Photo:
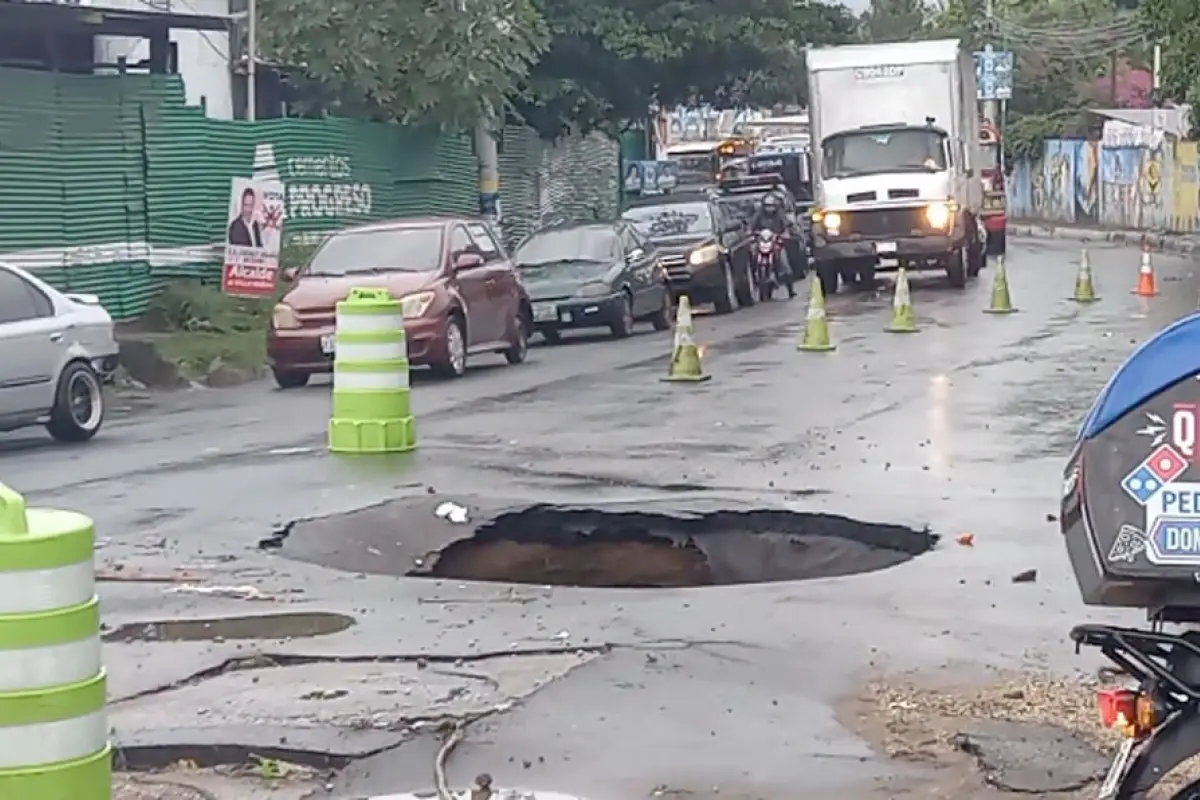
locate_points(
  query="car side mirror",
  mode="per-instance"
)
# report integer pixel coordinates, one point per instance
(468, 260)
(635, 255)
(290, 274)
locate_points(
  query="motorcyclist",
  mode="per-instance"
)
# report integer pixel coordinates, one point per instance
(770, 215)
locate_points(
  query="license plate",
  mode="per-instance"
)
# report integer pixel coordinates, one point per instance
(566, 316)
(1112, 781)
(545, 312)
(885, 247)
(327, 344)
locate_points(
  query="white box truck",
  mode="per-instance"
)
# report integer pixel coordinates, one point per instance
(895, 131)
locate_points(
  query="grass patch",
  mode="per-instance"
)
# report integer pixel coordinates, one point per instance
(196, 326)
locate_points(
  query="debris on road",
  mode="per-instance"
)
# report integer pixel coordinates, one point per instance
(231, 592)
(118, 573)
(1025, 576)
(452, 512)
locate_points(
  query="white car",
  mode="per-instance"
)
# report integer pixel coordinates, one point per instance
(55, 352)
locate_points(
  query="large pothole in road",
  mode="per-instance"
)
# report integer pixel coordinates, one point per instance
(591, 547)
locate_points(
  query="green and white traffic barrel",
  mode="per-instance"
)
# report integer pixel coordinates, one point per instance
(53, 729)
(372, 412)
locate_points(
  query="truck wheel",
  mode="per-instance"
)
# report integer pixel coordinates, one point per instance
(956, 267)
(976, 257)
(726, 299)
(866, 276)
(827, 273)
(997, 243)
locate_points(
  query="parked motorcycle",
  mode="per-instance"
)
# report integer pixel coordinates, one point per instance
(1130, 519)
(766, 260)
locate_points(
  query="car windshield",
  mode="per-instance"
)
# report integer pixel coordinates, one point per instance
(417, 249)
(567, 245)
(869, 152)
(671, 219)
(741, 206)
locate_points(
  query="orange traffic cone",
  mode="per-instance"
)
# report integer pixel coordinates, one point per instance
(1145, 285)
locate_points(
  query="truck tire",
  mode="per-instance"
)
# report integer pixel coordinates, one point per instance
(827, 273)
(956, 266)
(997, 243)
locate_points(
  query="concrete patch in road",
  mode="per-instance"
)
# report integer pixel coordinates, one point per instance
(673, 545)
(343, 710)
(1031, 758)
(294, 625)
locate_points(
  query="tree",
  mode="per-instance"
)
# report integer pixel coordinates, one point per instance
(1175, 24)
(446, 61)
(894, 20)
(608, 63)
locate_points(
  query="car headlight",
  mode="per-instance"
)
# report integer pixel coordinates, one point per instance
(594, 290)
(831, 221)
(284, 317)
(704, 255)
(415, 305)
(939, 215)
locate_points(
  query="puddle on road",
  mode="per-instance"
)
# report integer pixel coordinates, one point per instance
(633, 550)
(297, 625)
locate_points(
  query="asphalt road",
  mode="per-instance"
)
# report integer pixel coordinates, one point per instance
(611, 694)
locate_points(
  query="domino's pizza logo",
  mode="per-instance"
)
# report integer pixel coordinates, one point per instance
(1160, 468)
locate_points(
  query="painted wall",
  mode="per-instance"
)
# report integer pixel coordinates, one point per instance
(1083, 183)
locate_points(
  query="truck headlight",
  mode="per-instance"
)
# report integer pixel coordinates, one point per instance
(704, 255)
(939, 215)
(832, 222)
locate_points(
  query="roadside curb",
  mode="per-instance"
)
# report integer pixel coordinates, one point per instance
(1169, 242)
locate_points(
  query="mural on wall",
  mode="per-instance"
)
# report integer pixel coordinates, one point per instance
(1133, 187)
(1185, 189)
(1087, 184)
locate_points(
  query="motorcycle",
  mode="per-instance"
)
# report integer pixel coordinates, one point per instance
(1157, 718)
(766, 255)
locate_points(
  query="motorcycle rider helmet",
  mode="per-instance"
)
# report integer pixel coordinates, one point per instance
(770, 203)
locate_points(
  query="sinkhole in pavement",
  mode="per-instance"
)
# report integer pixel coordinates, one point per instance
(546, 545)
(298, 625)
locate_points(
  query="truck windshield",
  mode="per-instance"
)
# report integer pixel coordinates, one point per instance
(869, 152)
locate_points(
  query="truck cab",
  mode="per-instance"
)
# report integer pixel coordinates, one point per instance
(896, 141)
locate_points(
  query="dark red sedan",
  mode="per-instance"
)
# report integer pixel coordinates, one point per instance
(460, 293)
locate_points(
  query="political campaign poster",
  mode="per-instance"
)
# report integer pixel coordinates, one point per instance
(252, 236)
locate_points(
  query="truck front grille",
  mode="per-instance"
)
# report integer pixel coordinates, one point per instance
(884, 222)
(676, 267)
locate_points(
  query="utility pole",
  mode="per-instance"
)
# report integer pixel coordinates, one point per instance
(252, 61)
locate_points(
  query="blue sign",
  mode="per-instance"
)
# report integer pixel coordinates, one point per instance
(994, 74)
(1174, 540)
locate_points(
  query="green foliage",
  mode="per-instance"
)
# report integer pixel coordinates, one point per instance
(608, 63)
(1176, 25)
(446, 61)
(193, 307)
(894, 20)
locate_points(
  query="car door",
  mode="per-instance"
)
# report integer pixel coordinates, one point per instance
(32, 347)
(501, 281)
(734, 238)
(472, 285)
(637, 271)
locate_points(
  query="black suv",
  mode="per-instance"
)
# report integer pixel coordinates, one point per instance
(704, 251)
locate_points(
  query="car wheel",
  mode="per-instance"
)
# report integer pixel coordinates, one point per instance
(726, 301)
(78, 404)
(664, 319)
(290, 380)
(552, 335)
(745, 291)
(455, 338)
(516, 352)
(623, 327)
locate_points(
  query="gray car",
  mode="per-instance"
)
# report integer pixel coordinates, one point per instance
(56, 350)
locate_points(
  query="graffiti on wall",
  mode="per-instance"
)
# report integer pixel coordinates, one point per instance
(1082, 182)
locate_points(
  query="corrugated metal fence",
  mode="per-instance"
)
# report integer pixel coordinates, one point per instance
(113, 185)
(1084, 183)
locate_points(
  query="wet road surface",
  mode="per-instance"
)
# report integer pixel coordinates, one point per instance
(725, 691)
